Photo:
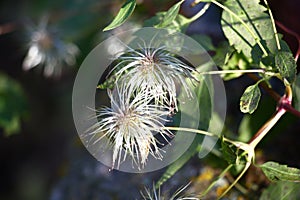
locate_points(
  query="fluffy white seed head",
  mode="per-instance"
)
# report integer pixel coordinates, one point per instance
(155, 194)
(156, 71)
(131, 124)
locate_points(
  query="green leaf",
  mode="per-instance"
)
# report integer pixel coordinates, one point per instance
(296, 91)
(205, 101)
(272, 46)
(245, 129)
(205, 115)
(205, 41)
(278, 172)
(12, 105)
(281, 191)
(232, 154)
(236, 61)
(170, 15)
(250, 99)
(223, 53)
(258, 22)
(286, 65)
(180, 23)
(123, 14)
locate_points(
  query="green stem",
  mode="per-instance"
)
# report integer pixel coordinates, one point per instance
(216, 180)
(236, 180)
(190, 130)
(244, 24)
(241, 145)
(200, 13)
(240, 71)
(238, 186)
(273, 25)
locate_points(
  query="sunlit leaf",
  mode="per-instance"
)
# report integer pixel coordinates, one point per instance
(286, 65)
(281, 191)
(236, 61)
(277, 172)
(180, 23)
(250, 99)
(272, 46)
(123, 14)
(169, 16)
(258, 22)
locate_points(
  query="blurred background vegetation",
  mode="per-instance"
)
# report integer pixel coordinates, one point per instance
(41, 156)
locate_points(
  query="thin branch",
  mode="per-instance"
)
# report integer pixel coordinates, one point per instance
(265, 86)
(261, 133)
(237, 179)
(239, 71)
(273, 25)
(200, 13)
(222, 175)
(238, 186)
(293, 33)
(8, 28)
(190, 130)
(291, 110)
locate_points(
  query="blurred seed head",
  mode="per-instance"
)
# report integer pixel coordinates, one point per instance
(48, 50)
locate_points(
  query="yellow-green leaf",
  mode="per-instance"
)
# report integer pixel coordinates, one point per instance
(281, 191)
(170, 15)
(123, 14)
(259, 26)
(278, 172)
(232, 154)
(250, 99)
(286, 65)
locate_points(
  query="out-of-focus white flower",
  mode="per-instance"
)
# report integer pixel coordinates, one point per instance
(131, 124)
(47, 49)
(156, 194)
(156, 71)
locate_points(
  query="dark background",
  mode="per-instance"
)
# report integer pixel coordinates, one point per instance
(45, 159)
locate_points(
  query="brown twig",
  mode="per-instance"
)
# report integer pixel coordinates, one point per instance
(285, 100)
(291, 110)
(288, 107)
(7, 28)
(269, 90)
